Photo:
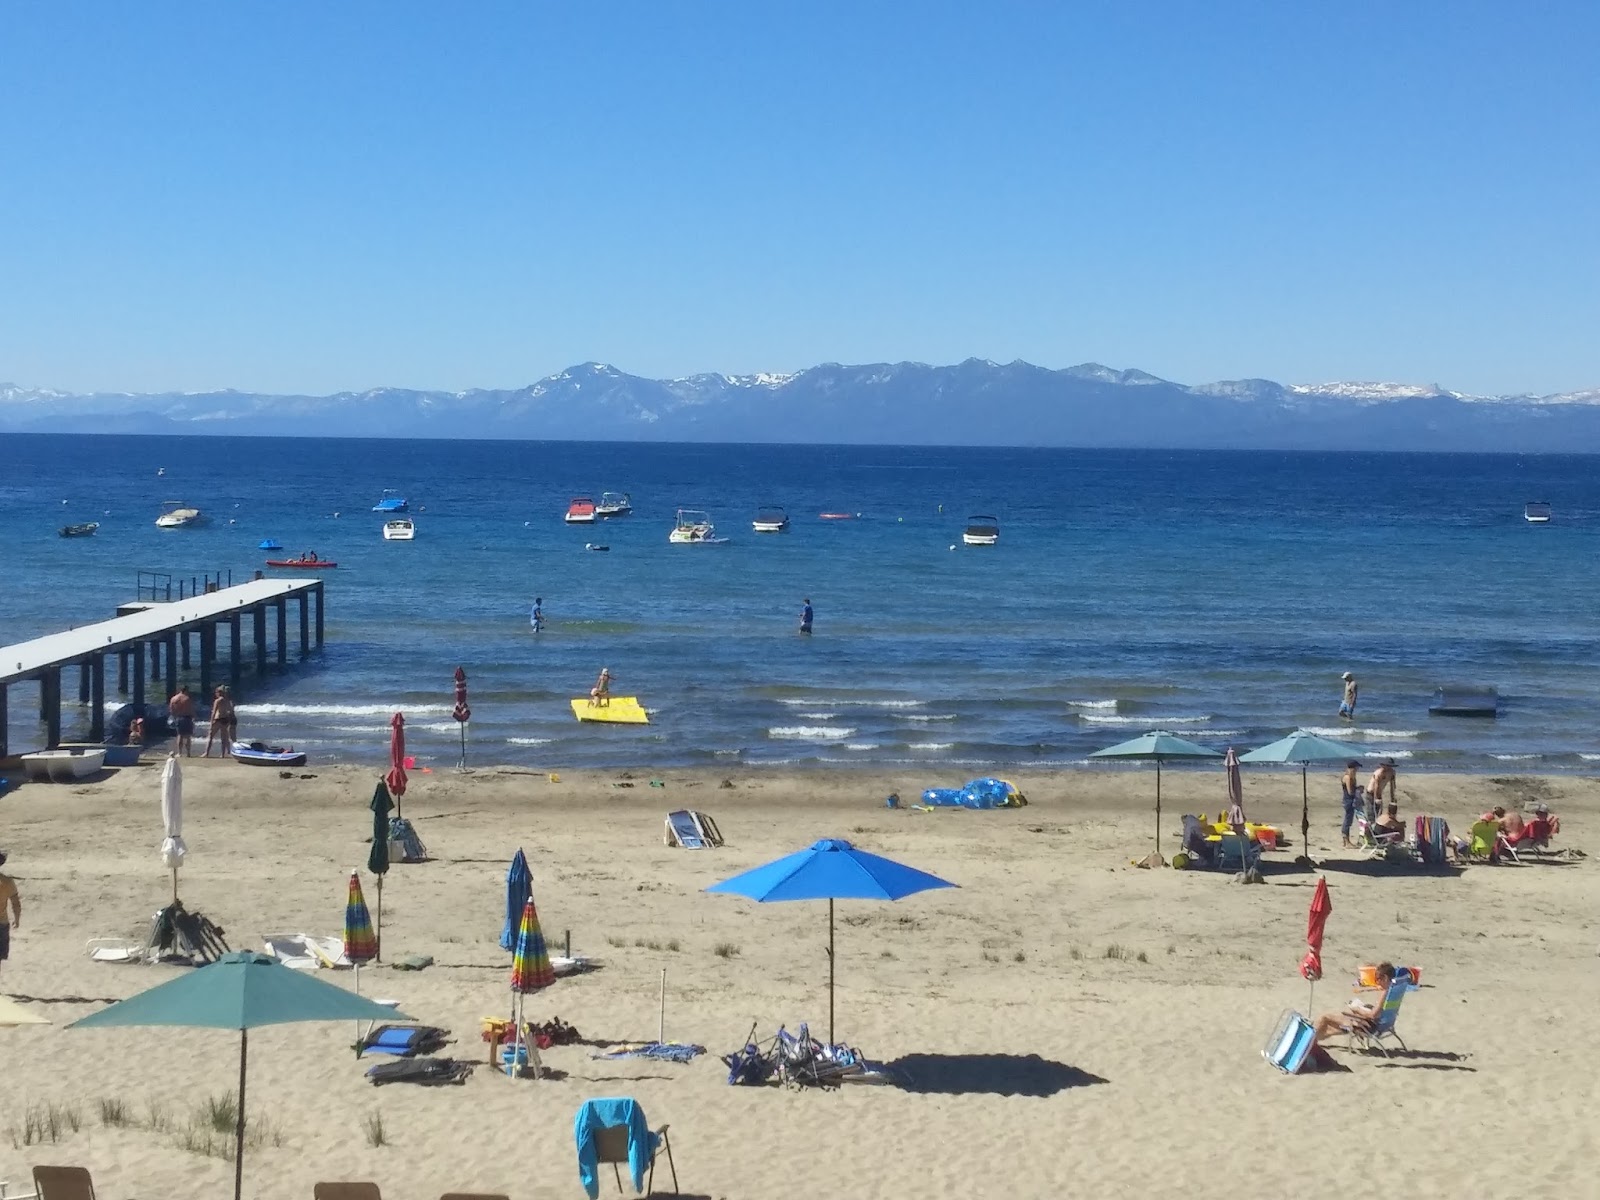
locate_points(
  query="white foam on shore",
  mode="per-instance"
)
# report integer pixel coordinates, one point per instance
(925, 717)
(1147, 722)
(931, 745)
(1590, 757)
(861, 745)
(810, 733)
(817, 716)
(341, 710)
(1361, 734)
(527, 741)
(1102, 705)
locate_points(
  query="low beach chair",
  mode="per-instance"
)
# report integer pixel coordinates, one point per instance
(615, 1131)
(63, 1183)
(346, 1191)
(1488, 843)
(1383, 1026)
(1289, 1046)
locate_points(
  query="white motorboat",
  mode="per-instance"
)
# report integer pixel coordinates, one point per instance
(770, 519)
(63, 766)
(402, 529)
(1536, 512)
(613, 504)
(175, 514)
(981, 531)
(694, 528)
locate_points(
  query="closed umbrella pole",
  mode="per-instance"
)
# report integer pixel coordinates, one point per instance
(461, 714)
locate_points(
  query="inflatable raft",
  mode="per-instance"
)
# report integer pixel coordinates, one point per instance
(259, 754)
(303, 564)
(620, 710)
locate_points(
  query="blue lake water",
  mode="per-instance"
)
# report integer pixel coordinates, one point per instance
(1219, 595)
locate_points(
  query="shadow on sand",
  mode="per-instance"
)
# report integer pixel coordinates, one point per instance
(1377, 868)
(988, 1074)
(1426, 1060)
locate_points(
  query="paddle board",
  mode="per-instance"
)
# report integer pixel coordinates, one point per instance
(622, 710)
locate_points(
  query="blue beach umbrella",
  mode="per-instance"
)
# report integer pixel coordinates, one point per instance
(1303, 748)
(831, 869)
(1158, 747)
(519, 890)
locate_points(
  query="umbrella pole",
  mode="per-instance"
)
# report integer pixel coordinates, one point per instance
(1158, 807)
(238, 1130)
(830, 971)
(661, 1025)
(462, 765)
(174, 885)
(377, 931)
(1305, 815)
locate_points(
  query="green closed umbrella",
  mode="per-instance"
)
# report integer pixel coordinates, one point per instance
(1157, 746)
(1303, 748)
(239, 991)
(378, 856)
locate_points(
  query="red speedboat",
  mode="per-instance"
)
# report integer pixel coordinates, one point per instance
(302, 564)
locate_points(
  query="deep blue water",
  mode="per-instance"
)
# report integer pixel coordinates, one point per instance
(1216, 594)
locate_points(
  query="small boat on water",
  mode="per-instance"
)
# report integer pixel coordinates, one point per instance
(308, 563)
(694, 528)
(392, 502)
(260, 754)
(770, 519)
(269, 544)
(64, 765)
(981, 531)
(613, 504)
(580, 511)
(1536, 512)
(87, 529)
(401, 529)
(596, 548)
(175, 514)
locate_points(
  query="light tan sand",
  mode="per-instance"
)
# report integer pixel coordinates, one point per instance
(1145, 1072)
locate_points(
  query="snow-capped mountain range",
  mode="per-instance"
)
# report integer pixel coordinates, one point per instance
(976, 402)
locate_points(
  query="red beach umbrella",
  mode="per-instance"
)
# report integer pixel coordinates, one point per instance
(1230, 765)
(396, 778)
(1316, 920)
(462, 713)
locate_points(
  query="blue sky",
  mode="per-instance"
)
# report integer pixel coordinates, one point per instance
(299, 197)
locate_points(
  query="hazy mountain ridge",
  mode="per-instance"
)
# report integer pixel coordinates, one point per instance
(975, 402)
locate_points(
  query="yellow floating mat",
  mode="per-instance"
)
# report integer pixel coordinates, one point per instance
(620, 710)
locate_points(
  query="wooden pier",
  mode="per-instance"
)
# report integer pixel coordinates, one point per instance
(156, 636)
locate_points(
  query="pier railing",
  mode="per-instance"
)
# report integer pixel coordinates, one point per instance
(160, 586)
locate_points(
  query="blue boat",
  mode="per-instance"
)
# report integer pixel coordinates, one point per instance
(269, 544)
(390, 503)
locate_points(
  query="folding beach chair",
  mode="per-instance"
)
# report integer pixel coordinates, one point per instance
(1290, 1043)
(63, 1183)
(346, 1191)
(1383, 1026)
(615, 1131)
(1489, 843)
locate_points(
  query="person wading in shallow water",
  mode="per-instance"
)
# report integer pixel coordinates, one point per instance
(1347, 707)
(805, 616)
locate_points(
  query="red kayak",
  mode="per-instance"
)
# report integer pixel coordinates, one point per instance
(303, 564)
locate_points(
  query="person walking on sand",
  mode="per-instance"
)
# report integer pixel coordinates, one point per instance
(805, 616)
(10, 911)
(600, 693)
(181, 709)
(224, 722)
(1347, 707)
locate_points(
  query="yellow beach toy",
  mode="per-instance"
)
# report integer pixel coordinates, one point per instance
(619, 710)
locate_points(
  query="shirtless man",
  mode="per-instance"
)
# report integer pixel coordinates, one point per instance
(1383, 777)
(600, 693)
(181, 709)
(1347, 708)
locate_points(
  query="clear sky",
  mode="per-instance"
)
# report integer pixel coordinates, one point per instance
(310, 197)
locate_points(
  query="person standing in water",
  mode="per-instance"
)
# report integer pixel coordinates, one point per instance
(536, 618)
(805, 616)
(1347, 707)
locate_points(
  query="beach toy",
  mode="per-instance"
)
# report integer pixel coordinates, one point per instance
(410, 762)
(1367, 975)
(554, 778)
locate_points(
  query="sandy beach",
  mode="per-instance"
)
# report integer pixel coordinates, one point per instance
(1069, 1025)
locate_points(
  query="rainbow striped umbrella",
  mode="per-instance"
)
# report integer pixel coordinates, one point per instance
(360, 943)
(530, 961)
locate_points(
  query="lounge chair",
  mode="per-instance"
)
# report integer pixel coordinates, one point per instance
(690, 830)
(615, 1131)
(403, 1041)
(1488, 843)
(1225, 852)
(62, 1183)
(1383, 1026)
(1291, 1042)
(346, 1191)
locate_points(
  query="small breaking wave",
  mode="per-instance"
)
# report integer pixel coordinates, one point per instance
(817, 716)
(810, 733)
(1149, 722)
(341, 710)
(849, 702)
(861, 745)
(1515, 757)
(528, 741)
(924, 717)
(1098, 705)
(932, 745)
(1362, 734)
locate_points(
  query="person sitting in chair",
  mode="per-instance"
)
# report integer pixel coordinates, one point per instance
(1389, 824)
(600, 693)
(1358, 1014)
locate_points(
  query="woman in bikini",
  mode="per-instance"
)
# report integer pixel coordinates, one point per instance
(224, 722)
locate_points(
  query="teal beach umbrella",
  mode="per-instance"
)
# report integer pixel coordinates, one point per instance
(239, 991)
(1303, 748)
(1158, 747)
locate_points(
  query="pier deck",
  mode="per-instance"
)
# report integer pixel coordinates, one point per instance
(164, 631)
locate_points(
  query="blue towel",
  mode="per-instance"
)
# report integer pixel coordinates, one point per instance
(602, 1114)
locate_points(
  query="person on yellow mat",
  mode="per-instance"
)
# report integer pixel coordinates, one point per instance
(600, 693)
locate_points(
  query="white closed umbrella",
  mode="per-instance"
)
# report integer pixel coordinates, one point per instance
(173, 851)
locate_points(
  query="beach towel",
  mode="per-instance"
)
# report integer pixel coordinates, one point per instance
(403, 1041)
(678, 1052)
(430, 1072)
(602, 1114)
